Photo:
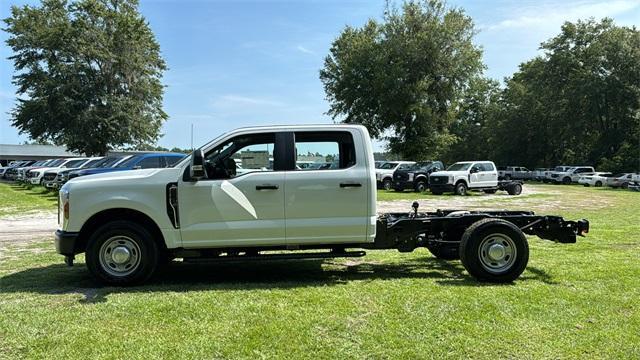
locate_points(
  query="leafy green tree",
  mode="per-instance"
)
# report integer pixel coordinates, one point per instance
(403, 76)
(579, 103)
(87, 74)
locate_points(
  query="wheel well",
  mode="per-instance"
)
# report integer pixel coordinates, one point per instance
(105, 216)
(420, 178)
(387, 178)
(461, 181)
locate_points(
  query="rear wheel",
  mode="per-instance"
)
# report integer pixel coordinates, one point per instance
(566, 180)
(461, 188)
(625, 185)
(122, 253)
(515, 189)
(598, 183)
(494, 250)
(387, 184)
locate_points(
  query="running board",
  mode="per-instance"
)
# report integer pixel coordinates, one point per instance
(267, 257)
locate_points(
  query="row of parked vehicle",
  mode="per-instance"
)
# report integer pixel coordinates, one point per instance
(585, 175)
(458, 178)
(53, 173)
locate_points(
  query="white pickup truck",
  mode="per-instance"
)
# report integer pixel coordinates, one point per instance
(131, 222)
(464, 176)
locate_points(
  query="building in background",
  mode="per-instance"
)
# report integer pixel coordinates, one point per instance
(9, 153)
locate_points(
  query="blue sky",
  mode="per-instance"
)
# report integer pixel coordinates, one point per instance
(241, 63)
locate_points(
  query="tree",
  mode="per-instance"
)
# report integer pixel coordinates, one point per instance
(579, 103)
(402, 77)
(88, 72)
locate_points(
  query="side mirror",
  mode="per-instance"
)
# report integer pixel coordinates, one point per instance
(474, 170)
(196, 170)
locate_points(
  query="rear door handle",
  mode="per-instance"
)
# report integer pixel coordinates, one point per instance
(347, 185)
(266, 187)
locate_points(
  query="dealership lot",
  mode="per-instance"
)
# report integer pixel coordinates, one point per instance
(573, 300)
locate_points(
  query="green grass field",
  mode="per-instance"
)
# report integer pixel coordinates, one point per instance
(573, 301)
(22, 199)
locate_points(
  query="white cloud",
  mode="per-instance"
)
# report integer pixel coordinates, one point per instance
(546, 16)
(237, 101)
(303, 49)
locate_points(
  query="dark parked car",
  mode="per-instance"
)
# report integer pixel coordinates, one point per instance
(417, 176)
(140, 161)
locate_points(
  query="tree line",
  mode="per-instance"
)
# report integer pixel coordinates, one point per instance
(416, 79)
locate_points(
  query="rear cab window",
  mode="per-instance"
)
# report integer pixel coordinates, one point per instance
(330, 150)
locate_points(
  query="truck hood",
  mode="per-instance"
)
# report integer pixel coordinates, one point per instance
(126, 175)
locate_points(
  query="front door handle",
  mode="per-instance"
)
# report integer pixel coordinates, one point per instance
(347, 185)
(267, 187)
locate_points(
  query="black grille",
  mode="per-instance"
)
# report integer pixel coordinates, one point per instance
(400, 176)
(438, 179)
(49, 177)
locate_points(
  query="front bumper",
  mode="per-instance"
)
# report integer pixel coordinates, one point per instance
(34, 181)
(66, 242)
(51, 184)
(441, 187)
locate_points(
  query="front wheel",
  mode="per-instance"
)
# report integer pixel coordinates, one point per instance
(494, 250)
(598, 183)
(566, 180)
(461, 189)
(421, 186)
(387, 185)
(122, 253)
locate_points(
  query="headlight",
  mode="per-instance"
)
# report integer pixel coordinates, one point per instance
(64, 202)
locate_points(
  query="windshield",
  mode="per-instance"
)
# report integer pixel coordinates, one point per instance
(459, 167)
(420, 165)
(559, 168)
(74, 163)
(91, 163)
(388, 166)
(56, 163)
(129, 162)
(106, 162)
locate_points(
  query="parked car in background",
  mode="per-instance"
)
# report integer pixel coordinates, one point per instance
(597, 179)
(571, 175)
(540, 174)
(36, 176)
(52, 179)
(384, 174)
(549, 178)
(471, 175)
(416, 177)
(21, 174)
(134, 162)
(515, 173)
(12, 166)
(623, 180)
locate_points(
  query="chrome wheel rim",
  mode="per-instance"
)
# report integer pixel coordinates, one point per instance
(497, 253)
(119, 256)
(387, 185)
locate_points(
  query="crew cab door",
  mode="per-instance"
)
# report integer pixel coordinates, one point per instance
(231, 208)
(329, 205)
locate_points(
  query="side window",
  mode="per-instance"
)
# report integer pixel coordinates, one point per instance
(486, 167)
(241, 155)
(329, 150)
(150, 163)
(172, 160)
(404, 167)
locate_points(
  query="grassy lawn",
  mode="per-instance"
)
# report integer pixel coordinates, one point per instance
(22, 199)
(573, 301)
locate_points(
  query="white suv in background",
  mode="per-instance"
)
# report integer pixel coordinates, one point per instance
(35, 176)
(384, 173)
(571, 175)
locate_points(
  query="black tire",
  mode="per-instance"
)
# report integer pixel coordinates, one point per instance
(598, 183)
(461, 189)
(387, 184)
(421, 186)
(490, 191)
(515, 189)
(122, 234)
(477, 260)
(444, 253)
(566, 180)
(625, 185)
